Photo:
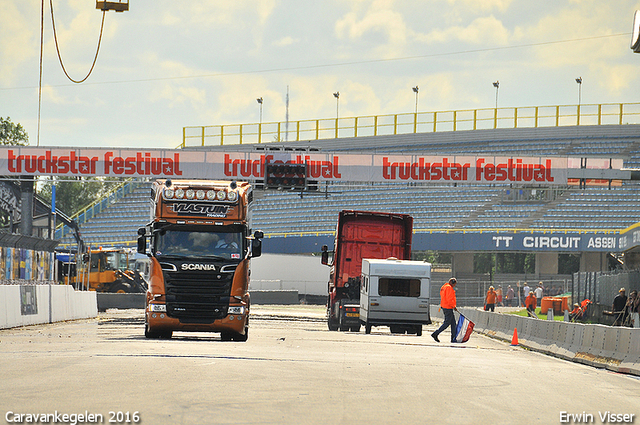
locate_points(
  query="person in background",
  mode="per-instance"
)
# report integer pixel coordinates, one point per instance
(499, 292)
(538, 293)
(530, 302)
(618, 307)
(510, 295)
(525, 290)
(448, 305)
(490, 300)
(631, 307)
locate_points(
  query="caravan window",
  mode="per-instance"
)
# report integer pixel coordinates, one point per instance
(394, 287)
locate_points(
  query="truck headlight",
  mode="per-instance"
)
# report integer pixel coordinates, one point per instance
(158, 307)
(236, 310)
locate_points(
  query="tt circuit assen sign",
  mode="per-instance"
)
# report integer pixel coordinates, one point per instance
(251, 165)
(525, 241)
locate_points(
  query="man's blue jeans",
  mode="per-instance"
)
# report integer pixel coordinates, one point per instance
(449, 320)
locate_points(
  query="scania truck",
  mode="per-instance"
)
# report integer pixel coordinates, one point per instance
(361, 234)
(200, 246)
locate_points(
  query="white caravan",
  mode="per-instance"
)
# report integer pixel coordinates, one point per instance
(395, 293)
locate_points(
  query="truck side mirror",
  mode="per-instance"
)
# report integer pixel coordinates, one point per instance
(325, 255)
(256, 244)
(142, 241)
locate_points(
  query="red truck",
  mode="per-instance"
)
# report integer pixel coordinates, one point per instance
(361, 234)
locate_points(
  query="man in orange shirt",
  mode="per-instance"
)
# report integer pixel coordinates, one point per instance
(531, 302)
(448, 305)
(490, 301)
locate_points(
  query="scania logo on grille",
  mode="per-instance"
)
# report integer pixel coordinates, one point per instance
(192, 266)
(203, 210)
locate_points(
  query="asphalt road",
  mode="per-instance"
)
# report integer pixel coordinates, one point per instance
(292, 370)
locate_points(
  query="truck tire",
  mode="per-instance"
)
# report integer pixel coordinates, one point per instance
(343, 327)
(419, 330)
(240, 337)
(367, 328)
(332, 324)
(120, 288)
(150, 334)
(355, 328)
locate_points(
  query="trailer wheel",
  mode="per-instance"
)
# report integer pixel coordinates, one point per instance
(419, 330)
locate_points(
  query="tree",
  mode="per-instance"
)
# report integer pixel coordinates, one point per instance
(12, 134)
(74, 193)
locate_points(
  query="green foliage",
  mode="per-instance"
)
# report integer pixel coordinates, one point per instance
(12, 134)
(504, 263)
(433, 257)
(74, 193)
(568, 263)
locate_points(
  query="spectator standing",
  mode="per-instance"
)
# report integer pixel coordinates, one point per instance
(618, 307)
(538, 293)
(499, 292)
(490, 300)
(525, 290)
(509, 296)
(632, 308)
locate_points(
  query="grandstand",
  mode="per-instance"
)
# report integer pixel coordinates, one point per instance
(435, 208)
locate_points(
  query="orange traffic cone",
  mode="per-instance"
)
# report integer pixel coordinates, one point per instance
(514, 339)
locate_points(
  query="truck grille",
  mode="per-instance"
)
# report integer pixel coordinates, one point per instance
(197, 297)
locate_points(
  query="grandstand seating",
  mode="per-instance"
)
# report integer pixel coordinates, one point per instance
(433, 207)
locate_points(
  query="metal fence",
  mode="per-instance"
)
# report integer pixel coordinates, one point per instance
(602, 287)
(418, 122)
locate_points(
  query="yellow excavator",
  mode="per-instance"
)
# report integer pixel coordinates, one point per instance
(107, 270)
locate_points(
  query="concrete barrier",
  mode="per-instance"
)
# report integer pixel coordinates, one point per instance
(601, 346)
(120, 301)
(22, 305)
(283, 297)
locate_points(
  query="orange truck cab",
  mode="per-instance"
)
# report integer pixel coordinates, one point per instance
(200, 246)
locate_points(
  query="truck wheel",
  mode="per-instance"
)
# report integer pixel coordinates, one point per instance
(367, 328)
(119, 288)
(166, 334)
(419, 330)
(343, 327)
(240, 337)
(150, 334)
(355, 328)
(333, 324)
(226, 336)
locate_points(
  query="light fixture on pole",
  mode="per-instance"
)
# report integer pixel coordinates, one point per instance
(497, 86)
(415, 90)
(260, 100)
(579, 81)
(337, 96)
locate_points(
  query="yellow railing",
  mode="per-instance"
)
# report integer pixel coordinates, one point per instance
(420, 122)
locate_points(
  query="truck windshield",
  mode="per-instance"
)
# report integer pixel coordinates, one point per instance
(190, 243)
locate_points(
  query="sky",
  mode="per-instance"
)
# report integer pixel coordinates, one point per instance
(164, 65)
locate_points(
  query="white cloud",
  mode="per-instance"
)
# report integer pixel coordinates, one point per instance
(481, 31)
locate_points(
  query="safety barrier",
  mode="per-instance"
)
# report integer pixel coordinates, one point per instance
(22, 305)
(415, 122)
(614, 348)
